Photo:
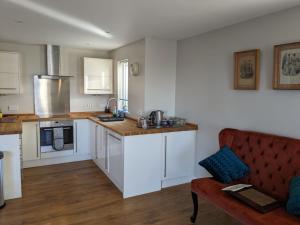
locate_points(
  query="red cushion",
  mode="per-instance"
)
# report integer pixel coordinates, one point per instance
(273, 160)
(210, 190)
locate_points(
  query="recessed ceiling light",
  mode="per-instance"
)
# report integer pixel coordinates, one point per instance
(18, 21)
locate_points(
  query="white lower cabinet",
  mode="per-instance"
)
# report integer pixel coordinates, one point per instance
(101, 148)
(178, 157)
(81, 137)
(142, 164)
(10, 146)
(115, 158)
(93, 139)
(30, 141)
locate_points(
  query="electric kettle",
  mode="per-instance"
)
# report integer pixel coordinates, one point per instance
(156, 117)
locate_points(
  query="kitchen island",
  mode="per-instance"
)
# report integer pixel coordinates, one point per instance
(136, 160)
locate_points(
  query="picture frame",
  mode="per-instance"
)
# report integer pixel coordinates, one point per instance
(247, 70)
(287, 66)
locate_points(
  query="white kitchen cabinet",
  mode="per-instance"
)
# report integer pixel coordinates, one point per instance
(98, 146)
(98, 76)
(178, 157)
(30, 141)
(101, 148)
(9, 73)
(10, 146)
(141, 164)
(81, 137)
(93, 140)
(115, 159)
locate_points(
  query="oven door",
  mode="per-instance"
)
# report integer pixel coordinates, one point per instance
(46, 139)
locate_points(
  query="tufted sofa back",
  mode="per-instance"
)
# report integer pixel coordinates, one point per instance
(273, 160)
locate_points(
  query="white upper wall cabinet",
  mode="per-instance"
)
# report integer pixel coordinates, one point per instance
(98, 76)
(9, 73)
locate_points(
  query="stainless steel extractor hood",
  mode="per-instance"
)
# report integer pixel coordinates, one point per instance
(53, 63)
(53, 60)
(52, 90)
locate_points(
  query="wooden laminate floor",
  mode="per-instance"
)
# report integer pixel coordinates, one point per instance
(80, 194)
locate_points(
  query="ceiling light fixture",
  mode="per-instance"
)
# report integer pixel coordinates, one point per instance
(60, 16)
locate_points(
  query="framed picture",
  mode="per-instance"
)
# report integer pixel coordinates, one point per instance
(287, 66)
(246, 74)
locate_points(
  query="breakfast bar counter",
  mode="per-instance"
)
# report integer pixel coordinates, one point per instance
(128, 127)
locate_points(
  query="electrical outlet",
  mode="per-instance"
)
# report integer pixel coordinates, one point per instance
(89, 106)
(13, 108)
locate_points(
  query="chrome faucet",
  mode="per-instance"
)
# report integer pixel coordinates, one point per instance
(107, 107)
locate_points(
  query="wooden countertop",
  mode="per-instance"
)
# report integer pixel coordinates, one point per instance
(127, 127)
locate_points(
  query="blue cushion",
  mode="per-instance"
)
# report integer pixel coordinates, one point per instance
(293, 204)
(225, 166)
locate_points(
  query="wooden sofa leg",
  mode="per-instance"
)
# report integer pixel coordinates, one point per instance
(195, 202)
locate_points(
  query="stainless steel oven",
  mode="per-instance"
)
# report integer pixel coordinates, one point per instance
(56, 136)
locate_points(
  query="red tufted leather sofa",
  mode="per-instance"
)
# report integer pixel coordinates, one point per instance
(273, 161)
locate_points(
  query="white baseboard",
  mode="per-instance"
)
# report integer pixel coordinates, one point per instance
(176, 181)
(58, 160)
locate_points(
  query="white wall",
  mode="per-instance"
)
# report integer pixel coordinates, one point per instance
(33, 62)
(135, 53)
(204, 87)
(160, 80)
(154, 87)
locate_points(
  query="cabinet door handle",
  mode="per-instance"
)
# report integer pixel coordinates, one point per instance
(96, 143)
(106, 151)
(37, 140)
(98, 89)
(76, 143)
(165, 164)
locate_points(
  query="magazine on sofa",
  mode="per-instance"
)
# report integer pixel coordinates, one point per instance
(236, 187)
(253, 197)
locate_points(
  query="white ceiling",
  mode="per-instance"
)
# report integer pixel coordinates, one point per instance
(126, 20)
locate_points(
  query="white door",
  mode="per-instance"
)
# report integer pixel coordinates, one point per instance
(115, 159)
(81, 137)
(30, 141)
(178, 154)
(93, 133)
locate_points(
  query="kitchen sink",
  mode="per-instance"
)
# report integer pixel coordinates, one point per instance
(110, 118)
